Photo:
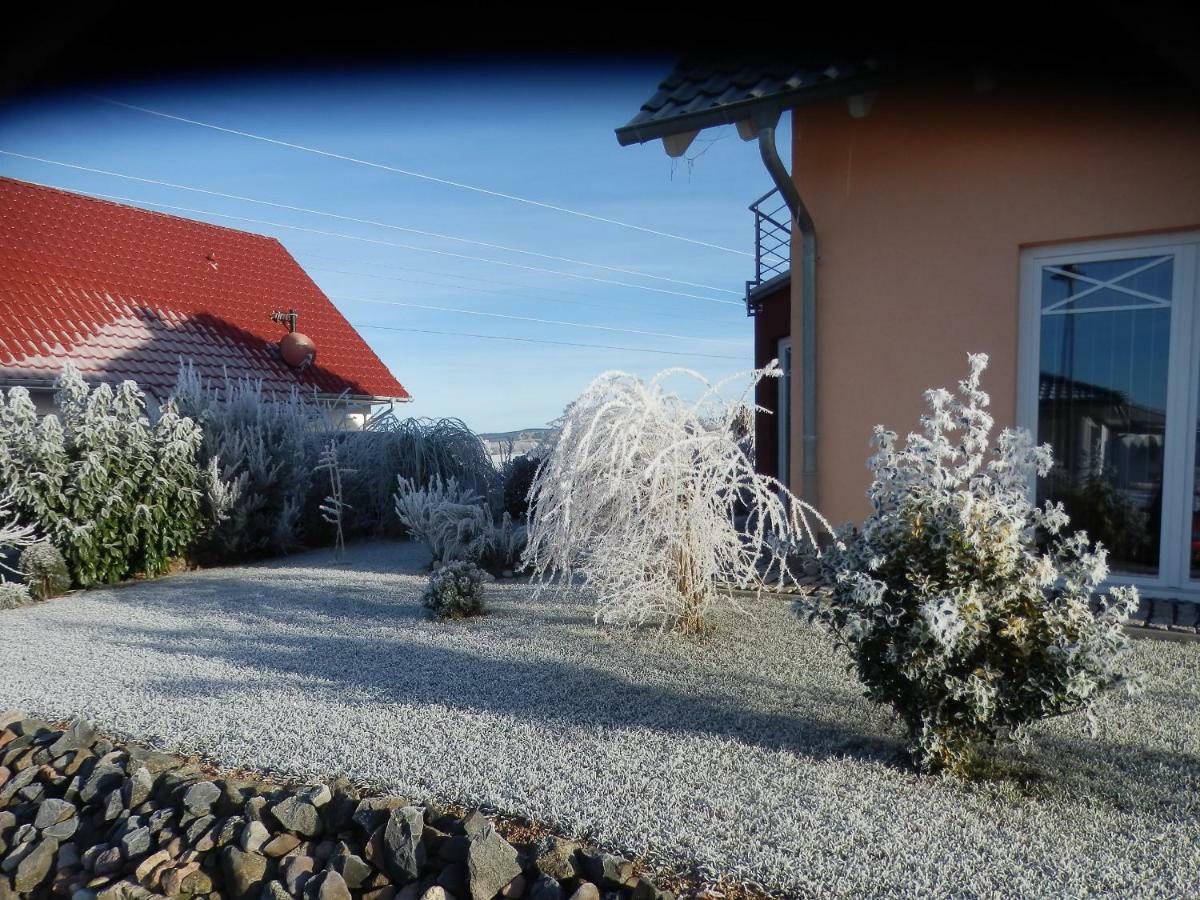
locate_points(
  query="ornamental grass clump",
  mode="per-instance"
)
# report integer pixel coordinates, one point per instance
(952, 612)
(455, 591)
(45, 570)
(656, 502)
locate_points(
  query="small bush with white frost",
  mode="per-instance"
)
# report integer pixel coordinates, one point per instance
(455, 590)
(951, 612)
(456, 524)
(641, 492)
(45, 570)
(13, 595)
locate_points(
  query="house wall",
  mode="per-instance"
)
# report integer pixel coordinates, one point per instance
(774, 321)
(922, 209)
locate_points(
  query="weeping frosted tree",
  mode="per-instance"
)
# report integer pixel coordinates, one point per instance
(656, 503)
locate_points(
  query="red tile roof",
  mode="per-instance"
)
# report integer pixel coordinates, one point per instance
(127, 293)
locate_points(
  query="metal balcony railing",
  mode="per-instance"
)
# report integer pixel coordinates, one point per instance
(772, 245)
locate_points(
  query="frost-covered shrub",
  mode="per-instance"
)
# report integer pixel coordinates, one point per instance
(13, 595)
(641, 492)
(952, 614)
(420, 510)
(418, 449)
(456, 524)
(45, 570)
(258, 453)
(516, 478)
(115, 492)
(455, 591)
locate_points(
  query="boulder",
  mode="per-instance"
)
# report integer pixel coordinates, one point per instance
(280, 845)
(51, 812)
(607, 870)
(35, 868)
(80, 735)
(245, 873)
(373, 812)
(333, 887)
(138, 788)
(298, 816)
(199, 798)
(586, 891)
(556, 858)
(254, 837)
(544, 887)
(491, 863)
(353, 869)
(404, 854)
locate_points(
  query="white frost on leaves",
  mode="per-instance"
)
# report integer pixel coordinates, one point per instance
(954, 614)
(640, 493)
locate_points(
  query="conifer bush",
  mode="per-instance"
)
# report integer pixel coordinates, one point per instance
(258, 452)
(45, 570)
(952, 613)
(455, 591)
(115, 492)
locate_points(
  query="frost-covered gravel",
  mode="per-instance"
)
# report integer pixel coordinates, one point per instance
(752, 755)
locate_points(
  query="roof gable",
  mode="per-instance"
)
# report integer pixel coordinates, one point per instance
(124, 292)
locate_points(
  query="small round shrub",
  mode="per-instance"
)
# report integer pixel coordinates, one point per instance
(45, 570)
(13, 595)
(455, 591)
(952, 612)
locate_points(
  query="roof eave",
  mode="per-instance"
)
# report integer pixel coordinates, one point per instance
(731, 113)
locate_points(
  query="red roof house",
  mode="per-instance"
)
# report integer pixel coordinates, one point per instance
(125, 293)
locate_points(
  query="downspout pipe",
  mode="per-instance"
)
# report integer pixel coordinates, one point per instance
(808, 303)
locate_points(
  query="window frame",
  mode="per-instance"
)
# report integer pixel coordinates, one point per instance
(1183, 384)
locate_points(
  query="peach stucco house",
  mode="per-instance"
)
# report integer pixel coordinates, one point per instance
(1051, 222)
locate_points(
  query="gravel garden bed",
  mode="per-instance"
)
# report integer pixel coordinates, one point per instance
(751, 756)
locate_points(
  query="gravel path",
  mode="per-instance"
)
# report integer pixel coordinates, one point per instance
(752, 755)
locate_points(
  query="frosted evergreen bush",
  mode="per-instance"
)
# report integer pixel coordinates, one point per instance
(258, 452)
(456, 524)
(952, 614)
(13, 595)
(419, 449)
(516, 479)
(45, 570)
(455, 591)
(642, 493)
(115, 492)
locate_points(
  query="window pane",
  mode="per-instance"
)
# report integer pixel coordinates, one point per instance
(1102, 402)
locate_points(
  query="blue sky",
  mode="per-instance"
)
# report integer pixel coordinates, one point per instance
(541, 133)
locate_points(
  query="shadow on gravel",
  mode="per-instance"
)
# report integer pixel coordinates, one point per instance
(293, 630)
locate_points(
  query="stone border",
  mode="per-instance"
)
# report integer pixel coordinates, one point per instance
(89, 818)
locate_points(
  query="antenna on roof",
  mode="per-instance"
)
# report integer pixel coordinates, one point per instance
(288, 318)
(297, 349)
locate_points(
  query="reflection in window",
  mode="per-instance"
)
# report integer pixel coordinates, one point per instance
(1105, 332)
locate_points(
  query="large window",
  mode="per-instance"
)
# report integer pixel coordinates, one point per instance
(1109, 355)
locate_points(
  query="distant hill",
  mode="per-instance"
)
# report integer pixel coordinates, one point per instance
(524, 434)
(503, 445)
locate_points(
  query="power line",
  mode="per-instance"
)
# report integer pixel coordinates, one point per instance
(498, 337)
(398, 171)
(366, 240)
(495, 315)
(498, 292)
(359, 221)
